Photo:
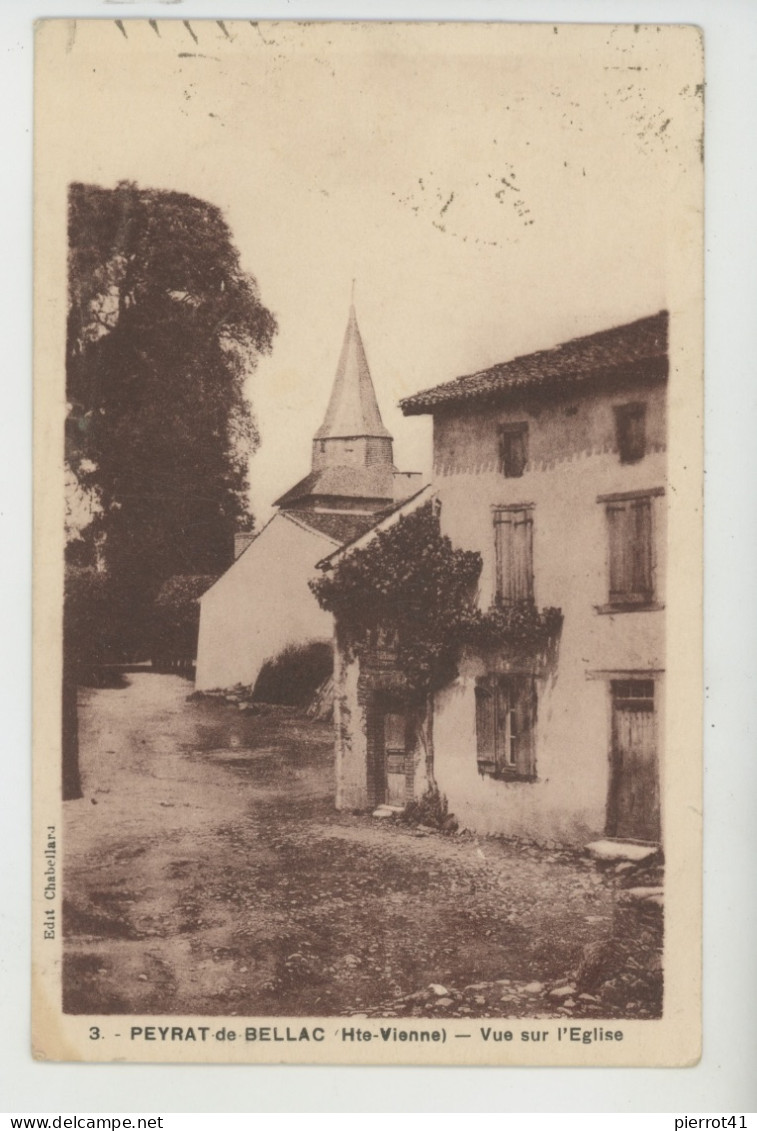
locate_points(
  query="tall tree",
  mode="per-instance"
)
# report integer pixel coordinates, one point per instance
(164, 328)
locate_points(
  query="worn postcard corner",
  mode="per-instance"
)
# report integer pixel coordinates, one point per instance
(368, 483)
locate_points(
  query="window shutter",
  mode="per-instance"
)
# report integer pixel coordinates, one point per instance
(502, 746)
(485, 730)
(502, 550)
(641, 580)
(620, 551)
(524, 719)
(514, 555)
(505, 721)
(521, 583)
(630, 530)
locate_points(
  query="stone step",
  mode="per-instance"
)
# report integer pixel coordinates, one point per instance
(645, 895)
(385, 811)
(621, 850)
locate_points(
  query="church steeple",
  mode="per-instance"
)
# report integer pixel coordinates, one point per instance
(352, 410)
(353, 463)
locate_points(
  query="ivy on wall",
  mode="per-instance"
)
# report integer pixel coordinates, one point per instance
(412, 595)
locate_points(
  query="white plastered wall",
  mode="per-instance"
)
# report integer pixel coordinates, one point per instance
(261, 604)
(567, 801)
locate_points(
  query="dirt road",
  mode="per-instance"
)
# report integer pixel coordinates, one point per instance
(206, 872)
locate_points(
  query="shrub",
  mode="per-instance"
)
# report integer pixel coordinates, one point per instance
(176, 617)
(94, 620)
(431, 809)
(410, 584)
(293, 677)
(410, 588)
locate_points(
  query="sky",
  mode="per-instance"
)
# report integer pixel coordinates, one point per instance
(492, 190)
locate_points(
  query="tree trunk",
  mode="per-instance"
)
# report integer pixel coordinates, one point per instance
(70, 761)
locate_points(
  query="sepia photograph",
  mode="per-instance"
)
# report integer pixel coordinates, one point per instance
(367, 542)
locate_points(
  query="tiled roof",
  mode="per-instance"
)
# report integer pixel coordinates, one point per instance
(341, 527)
(379, 520)
(345, 482)
(638, 347)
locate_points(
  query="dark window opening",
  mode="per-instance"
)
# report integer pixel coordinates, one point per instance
(513, 449)
(633, 694)
(631, 431)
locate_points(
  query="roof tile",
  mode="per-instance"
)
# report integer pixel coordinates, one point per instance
(341, 527)
(636, 346)
(344, 482)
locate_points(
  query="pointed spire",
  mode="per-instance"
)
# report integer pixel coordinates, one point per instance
(353, 409)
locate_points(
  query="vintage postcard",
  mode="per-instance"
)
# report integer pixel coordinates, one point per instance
(368, 480)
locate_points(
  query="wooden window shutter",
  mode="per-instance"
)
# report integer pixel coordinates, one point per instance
(641, 579)
(620, 551)
(630, 531)
(505, 722)
(502, 552)
(514, 555)
(485, 729)
(502, 725)
(522, 581)
(522, 724)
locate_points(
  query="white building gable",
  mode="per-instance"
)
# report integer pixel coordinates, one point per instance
(262, 604)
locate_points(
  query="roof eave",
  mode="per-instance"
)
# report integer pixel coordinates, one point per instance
(304, 525)
(391, 512)
(646, 371)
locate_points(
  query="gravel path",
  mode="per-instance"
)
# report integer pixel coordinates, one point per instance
(206, 872)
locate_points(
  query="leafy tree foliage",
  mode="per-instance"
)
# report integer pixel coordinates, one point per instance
(164, 329)
(294, 675)
(407, 591)
(410, 593)
(176, 621)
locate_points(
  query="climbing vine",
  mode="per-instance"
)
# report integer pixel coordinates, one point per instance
(412, 594)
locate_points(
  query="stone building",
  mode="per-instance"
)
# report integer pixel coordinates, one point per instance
(553, 467)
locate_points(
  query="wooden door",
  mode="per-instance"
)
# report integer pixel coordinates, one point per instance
(634, 801)
(395, 757)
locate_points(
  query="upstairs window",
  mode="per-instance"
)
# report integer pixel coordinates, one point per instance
(630, 527)
(513, 449)
(513, 544)
(631, 431)
(505, 720)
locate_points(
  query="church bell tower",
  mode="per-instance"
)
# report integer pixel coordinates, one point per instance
(352, 433)
(352, 458)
